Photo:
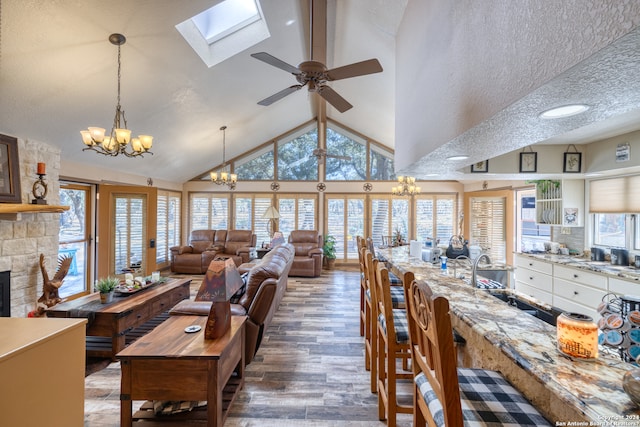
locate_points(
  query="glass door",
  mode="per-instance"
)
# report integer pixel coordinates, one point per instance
(127, 230)
(345, 221)
(75, 239)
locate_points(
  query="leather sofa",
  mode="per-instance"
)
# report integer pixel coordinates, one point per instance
(265, 288)
(205, 245)
(307, 261)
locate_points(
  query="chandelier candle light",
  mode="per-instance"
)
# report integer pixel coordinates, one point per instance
(406, 186)
(118, 140)
(225, 177)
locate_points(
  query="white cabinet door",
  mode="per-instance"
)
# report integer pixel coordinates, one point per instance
(534, 292)
(571, 274)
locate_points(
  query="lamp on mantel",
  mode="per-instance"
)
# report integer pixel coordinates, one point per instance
(273, 215)
(221, 281)
(118, 140)
(225, 177)
(406, 186)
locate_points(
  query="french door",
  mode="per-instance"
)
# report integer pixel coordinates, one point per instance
(345, 217)
(126, 230)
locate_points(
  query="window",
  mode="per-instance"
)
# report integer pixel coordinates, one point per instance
(345, 220)
(248, 215)
(530, 235)
(295, 161)
(389, 217)
(341, 144)
(297, 212)
(209, 212)
(488, 226)
(168, 229)
(609, 230)
(435, 217)
(258, 166)
(381, 167)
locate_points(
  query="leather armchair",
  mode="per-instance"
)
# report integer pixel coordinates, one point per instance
(307, 261)
(238, 246)
(195, 257)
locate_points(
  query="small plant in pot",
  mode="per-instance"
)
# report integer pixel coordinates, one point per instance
(329, 249)
(106, 286)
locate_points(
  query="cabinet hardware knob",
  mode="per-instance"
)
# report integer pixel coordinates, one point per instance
(575, 276)
(575, 292)
(530, 278)
(531, 264)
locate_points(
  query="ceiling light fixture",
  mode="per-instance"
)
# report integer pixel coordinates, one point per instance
(564, 111)
(118, 140)
(458, 157)
(406, 187)
(225, 177)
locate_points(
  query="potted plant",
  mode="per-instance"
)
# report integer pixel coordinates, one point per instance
(106, 287)
(329, 249)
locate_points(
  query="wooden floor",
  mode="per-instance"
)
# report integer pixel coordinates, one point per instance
(309, 370)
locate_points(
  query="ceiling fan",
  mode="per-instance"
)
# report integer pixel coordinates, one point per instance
(321, 152)
(315, 75)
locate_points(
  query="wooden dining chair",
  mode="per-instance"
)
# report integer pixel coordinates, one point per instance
(445, 395)
(392, 335)
(361, 246)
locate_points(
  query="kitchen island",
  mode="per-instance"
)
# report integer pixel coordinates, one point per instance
(522, 347)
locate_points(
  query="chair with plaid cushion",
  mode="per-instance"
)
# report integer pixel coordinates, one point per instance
(392, 336)
(444, 395)
(361, 246)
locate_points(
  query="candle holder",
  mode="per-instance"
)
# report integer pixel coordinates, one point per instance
(39, 190)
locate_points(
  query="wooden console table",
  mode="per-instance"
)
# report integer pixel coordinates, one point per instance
(171, 364)
(108, 324)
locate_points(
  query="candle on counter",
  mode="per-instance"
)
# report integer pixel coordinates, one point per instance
(577, 335)
(41, 169)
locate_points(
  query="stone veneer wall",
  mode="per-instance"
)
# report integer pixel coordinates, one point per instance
(23, 240)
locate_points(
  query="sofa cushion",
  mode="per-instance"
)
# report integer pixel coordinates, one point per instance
(237, 239)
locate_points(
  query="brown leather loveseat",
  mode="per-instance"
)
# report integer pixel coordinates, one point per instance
(265, 288)
(308, 259)
(205, 245)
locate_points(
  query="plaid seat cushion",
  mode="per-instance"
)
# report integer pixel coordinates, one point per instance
(400, 323)
(397, 296)
(487, 399)
(394, 280)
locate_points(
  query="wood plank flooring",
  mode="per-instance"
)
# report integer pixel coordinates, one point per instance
(309, 370)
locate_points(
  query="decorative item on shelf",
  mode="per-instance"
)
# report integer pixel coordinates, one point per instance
(577, 335)
(572, 160)
(50, 287)
(528, 160)
(273, 215)
(118, 140)
(547, 188)
(480, 167)
(39, 188)
(620, 325)
(329, 250)
(221, 281)
(406, 187)
(225, 178)
(106, 287)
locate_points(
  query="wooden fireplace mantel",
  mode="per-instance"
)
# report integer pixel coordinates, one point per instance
(12, 211)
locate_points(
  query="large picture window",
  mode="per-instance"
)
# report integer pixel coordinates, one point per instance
(295, 159)
(351, 165)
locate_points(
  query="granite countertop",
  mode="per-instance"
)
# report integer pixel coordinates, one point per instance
(592, 387)
(605, 267)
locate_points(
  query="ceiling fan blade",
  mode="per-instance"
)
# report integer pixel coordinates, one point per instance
(278, 96)
(272, 60)
(332, 97)
(369, 66)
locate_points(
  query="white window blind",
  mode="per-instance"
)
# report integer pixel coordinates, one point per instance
(615, 195)
(488, 226)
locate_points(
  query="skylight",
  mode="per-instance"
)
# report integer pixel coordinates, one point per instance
(225, 30)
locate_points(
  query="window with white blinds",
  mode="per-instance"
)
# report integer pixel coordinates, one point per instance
(168, 228)
(615, 195)
(297, 212)
(248, 211)
(488, 226)
(209, 212)
(130, 234)
(435, 217)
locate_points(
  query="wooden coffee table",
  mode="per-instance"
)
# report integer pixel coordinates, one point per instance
(108, 324)
(171, 364)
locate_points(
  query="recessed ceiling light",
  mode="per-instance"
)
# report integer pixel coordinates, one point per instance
(458, 157)
(564, 111)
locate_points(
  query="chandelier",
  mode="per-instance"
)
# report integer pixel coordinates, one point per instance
(117, 142)
(225, 177)
(406, 186)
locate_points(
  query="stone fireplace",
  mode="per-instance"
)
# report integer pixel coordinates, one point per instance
(24, 238)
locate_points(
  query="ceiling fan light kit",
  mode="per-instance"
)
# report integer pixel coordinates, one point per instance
(119, 138)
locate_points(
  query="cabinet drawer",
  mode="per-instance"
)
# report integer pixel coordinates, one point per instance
(578, 293)
(534, 279)
(533, 264)
(534, 292)
(581, 276)
(573, 307)
(624, 287)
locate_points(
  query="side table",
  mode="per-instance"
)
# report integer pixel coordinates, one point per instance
(262, 252)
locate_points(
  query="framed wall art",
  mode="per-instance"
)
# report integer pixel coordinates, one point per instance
(528, 161)
(572, 162)
(10, 191)
(482, 166)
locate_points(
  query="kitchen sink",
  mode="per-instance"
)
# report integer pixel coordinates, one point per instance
(548, 316)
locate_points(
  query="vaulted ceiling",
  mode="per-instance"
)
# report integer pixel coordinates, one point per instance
(58, 76)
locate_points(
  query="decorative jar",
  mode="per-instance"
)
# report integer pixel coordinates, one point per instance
(577, 335)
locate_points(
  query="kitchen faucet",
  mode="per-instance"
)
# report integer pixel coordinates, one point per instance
(455, 264)
(474, 275)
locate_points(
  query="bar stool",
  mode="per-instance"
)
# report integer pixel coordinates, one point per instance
(361, 246)
(393, 345)
(444, 395)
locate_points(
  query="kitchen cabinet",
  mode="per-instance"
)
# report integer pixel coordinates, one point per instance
(534, 278)
(624, 287)
(562, 205)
